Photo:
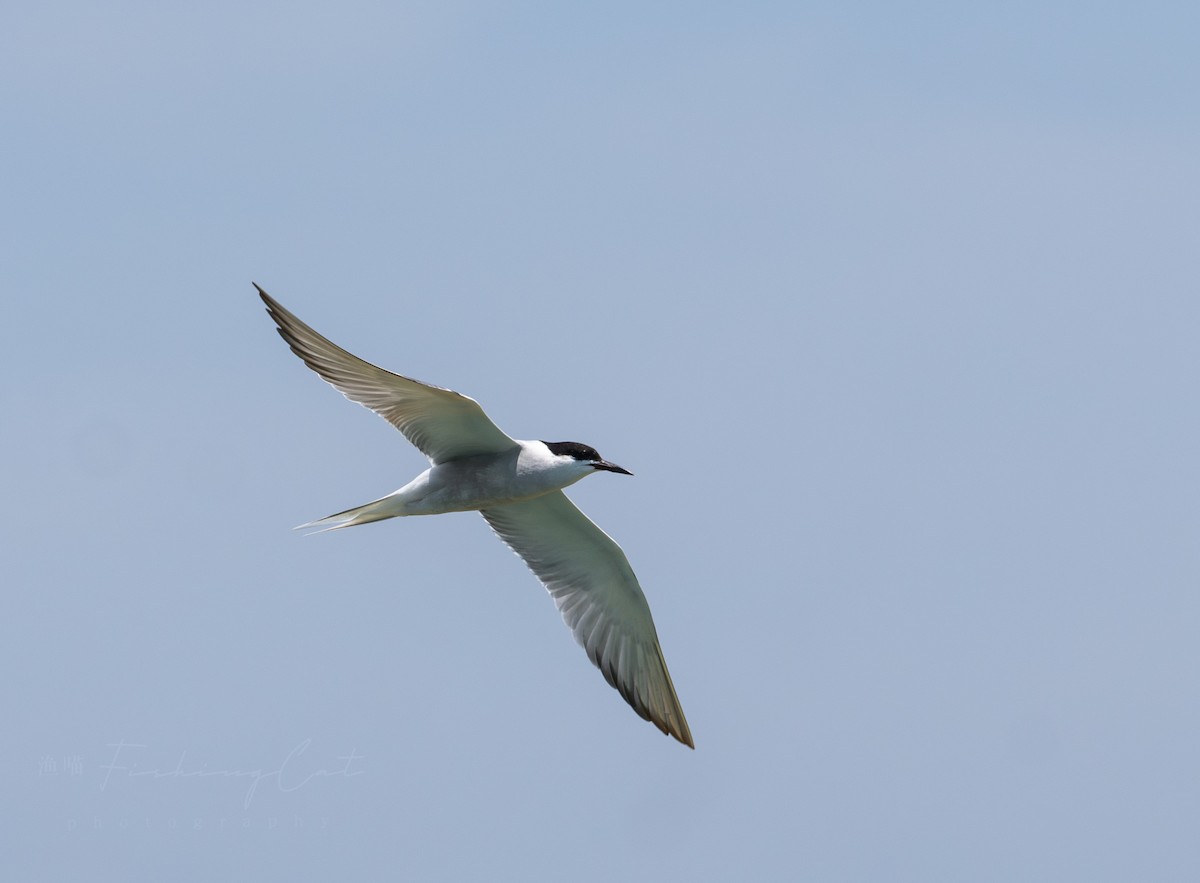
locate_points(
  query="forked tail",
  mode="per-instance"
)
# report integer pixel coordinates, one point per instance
(376, 510)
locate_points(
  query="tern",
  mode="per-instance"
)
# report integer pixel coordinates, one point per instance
(517, 486)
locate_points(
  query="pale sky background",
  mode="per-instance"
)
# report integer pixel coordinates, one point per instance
(893, 310)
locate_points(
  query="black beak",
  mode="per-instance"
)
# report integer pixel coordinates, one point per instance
(610, 467)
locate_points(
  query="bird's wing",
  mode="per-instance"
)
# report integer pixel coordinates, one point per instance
(442, 423)
(598, 595)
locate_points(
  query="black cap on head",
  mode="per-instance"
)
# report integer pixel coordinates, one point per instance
(585, 453)
(573, 449)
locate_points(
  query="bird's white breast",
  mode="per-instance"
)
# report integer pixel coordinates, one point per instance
(477, 482)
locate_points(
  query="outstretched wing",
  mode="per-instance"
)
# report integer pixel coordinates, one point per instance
(598, 595)
(442, 423)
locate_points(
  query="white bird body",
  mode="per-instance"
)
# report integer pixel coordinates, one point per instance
(466, 484)
(517, 487)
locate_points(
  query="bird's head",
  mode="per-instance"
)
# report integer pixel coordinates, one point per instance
(586, 456)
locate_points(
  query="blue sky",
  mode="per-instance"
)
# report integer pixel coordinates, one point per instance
(892, 312)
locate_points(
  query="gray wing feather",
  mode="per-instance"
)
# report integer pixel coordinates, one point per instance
(598, 595)
(441, 423)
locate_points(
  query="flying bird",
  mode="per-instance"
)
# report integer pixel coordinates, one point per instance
(517, 486)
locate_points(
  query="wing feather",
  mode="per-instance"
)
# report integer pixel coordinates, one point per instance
(441, 423)
(599, 598)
